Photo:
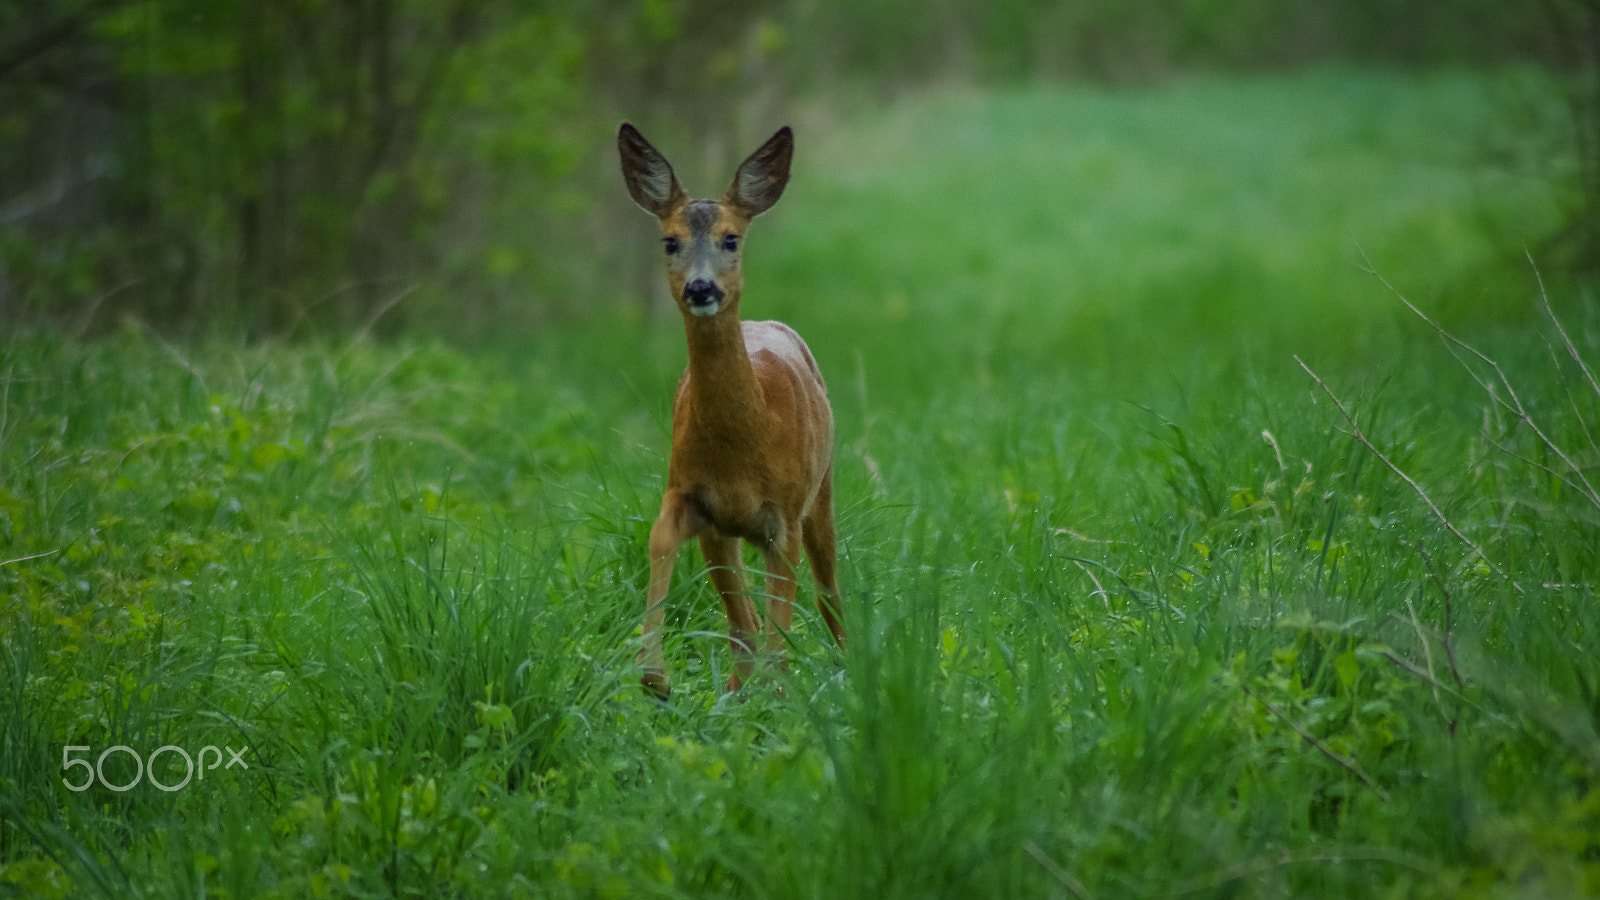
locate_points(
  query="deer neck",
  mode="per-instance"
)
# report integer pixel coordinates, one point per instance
(726, 398)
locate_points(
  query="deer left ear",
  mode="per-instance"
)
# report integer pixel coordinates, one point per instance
(761, 179)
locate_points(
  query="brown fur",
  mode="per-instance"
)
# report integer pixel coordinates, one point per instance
(752, 431)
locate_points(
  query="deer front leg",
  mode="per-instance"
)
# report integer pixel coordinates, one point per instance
(677, 522)
(727, 574)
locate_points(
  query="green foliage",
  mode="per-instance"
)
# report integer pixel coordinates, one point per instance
(268, 157)
(1132, 612)
(289, 168)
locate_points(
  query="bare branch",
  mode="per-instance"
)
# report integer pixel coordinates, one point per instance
(1098, 587)
(1059, 874)
(1085, 538)
(1544, 297)
(1282, 858)
(372, 320)
(1426, 677)
(1349, 764)
(1515, 405)
(1427, 654)
(1533, 463)
(1438, 582)
(1361, 436)
(26, 558)
(1572, 401)
(41, 42)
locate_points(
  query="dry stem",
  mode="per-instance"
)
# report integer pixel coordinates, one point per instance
(1514, 406)
(1361, 436)
(1345, 761)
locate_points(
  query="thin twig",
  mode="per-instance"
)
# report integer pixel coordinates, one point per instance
(45, 39)
(87, 318)
(172, 352)
(1427, 653)
(5, 414)
(1529, 462)
(1062, 875)
(1415, 670)
(1544, 297)
(1105, 596)
(372, 320)
(1438, 582)
(1098, 587)
(1555, 360)
(1085, 538)
(26, 558)
(1361, 436)
(1515, 405)
(1345, 761)
(1110, 571)
(1289, 857)
(1572, 401)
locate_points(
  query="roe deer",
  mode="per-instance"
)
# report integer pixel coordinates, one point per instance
(752, 432)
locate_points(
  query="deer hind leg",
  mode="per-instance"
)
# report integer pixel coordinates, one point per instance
(783, 560)
(817, 533)
(727, 574)
(678, 522)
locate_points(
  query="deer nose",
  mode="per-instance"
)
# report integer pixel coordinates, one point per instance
(702, 292)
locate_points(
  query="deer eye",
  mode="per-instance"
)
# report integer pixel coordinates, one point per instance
(671, 244)
(730, 243)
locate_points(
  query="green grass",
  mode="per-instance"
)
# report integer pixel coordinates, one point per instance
(1133, 614)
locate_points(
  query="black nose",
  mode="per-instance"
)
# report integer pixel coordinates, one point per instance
(701, 290)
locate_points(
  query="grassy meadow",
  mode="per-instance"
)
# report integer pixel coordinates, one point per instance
(1135, 612)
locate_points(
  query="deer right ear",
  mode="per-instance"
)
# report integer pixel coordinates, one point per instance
(648, 175)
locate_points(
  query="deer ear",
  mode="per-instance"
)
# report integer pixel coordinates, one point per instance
(760, 180)
(647, 173)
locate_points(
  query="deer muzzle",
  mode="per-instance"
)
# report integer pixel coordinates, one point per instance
(703, 297)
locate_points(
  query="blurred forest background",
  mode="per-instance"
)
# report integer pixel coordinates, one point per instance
(295, 166)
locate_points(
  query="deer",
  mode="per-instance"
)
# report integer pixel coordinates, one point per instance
(752, 429)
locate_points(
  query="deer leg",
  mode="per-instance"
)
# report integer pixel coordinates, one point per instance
(817, 534)
(782, 561)
(727, 574)
(677, 522)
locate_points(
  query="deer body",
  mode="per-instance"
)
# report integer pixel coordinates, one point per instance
(752, 431)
